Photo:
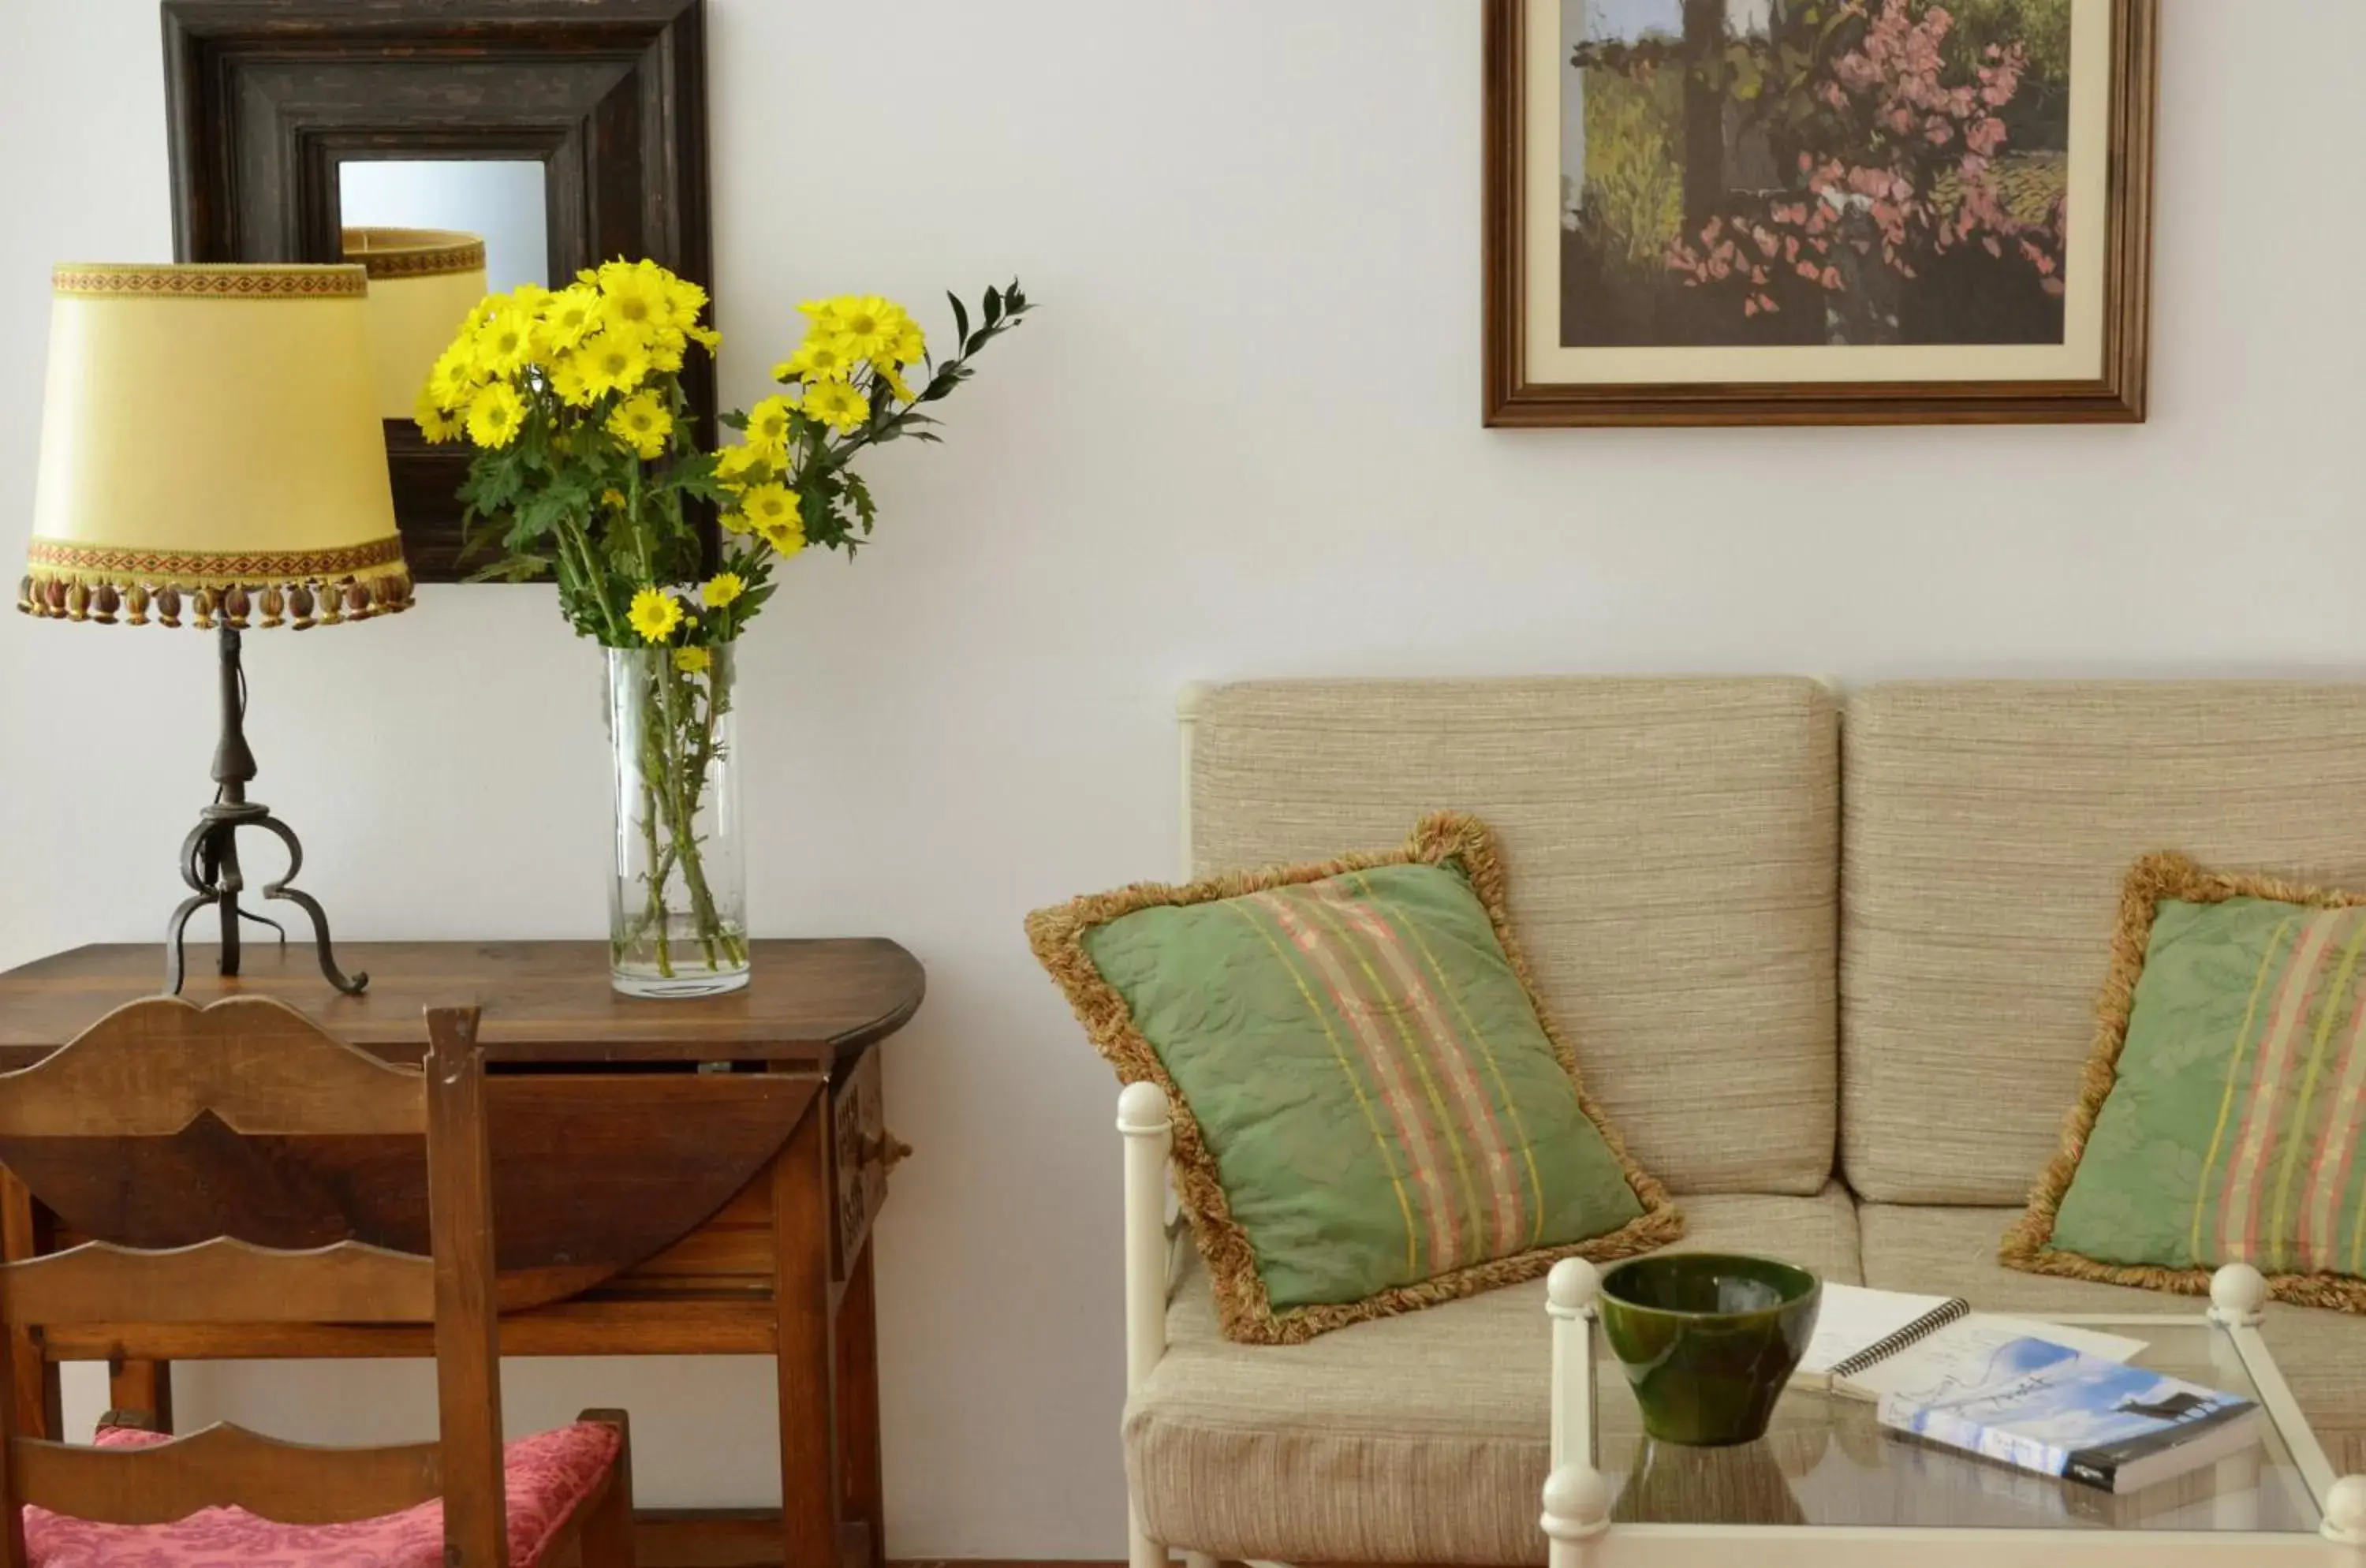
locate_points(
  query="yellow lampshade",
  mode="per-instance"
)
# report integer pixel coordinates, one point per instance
(422, 284)
(209, 435)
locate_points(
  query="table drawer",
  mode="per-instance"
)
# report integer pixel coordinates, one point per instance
(862, 1152)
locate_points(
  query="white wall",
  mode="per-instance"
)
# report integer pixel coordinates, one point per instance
(1242, 438)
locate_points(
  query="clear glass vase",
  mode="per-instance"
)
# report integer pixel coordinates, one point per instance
(677, 904)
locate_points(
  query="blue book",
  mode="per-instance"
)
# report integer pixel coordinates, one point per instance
(2047, 1408)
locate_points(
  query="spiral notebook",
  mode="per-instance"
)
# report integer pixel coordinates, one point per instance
(1861, 1334)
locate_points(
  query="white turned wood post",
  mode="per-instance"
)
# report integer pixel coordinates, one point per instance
(2239, 1296)
(2345, 1512)
(1577, 1498)
(1142, 1117)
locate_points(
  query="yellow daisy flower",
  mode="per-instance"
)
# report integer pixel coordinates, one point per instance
(769, 507)
(684, 300)
(495, 414)
(453, 379)
(786, 539)
(911, 344)
(574, 389)
(567, 318)
(768, 427)
(819, 358)
(654, 615)
(613, 499)
(642, 424)
(710, 341)
(438, 425)
(736, 467)
(503, 341)
(868, 326)
(722, 589)
(613, 362)
(735, 523)
(837, 405)
(692, 660)
(895, 383)
(632, 296)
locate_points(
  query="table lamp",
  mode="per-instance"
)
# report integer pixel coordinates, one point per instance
(422, 284)
(211, 449)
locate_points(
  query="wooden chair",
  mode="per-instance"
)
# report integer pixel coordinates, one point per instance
(151, 1068)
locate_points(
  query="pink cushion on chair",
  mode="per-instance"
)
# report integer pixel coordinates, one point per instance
(548, 1476)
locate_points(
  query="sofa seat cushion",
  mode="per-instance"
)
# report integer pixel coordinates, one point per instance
(1419, 1439)
(1952, 1252)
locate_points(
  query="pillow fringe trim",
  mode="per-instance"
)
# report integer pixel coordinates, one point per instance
(1243, 1307)
(2028, 1245)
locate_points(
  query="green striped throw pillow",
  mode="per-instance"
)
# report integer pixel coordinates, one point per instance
(1373, 1113)
(2225, 1100)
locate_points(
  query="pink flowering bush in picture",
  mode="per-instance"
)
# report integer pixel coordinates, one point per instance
(1850, 171)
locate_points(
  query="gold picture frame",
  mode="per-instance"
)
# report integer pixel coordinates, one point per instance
(1621, 292)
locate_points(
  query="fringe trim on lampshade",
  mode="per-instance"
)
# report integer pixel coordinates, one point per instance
(2028, 1245)
(299, 589)
(1243, 1305)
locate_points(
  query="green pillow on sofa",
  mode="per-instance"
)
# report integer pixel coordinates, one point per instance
(2225, 1102)
(1372, 1113)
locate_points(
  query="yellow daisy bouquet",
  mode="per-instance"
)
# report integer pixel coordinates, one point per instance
(587, 471)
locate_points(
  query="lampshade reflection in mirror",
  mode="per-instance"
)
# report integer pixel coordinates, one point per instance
(422, 284)
(502, 201)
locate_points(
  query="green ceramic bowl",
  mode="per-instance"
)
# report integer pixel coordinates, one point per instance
(1708, 1339)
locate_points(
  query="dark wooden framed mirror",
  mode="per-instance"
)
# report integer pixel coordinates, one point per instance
(293, 119)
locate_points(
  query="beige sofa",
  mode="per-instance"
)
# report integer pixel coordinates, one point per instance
(1830, 962)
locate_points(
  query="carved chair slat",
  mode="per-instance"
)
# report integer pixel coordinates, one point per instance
(224, 1466)
(223, 1281)
(152, 1067)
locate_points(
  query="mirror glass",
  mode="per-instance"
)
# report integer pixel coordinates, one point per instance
(501, 202)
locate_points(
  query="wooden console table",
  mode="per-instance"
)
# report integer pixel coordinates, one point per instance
(621, 1108)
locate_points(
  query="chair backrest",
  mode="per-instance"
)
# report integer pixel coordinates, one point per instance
(150, 1069)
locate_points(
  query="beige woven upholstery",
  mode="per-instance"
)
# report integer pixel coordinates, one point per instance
(1418, 1438)
(1671, 846)
(1988, 825)
(1952, 1252)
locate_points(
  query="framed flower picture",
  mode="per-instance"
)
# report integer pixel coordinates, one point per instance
(1818, 211)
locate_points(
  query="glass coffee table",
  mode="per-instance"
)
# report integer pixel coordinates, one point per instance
(1829, 1485)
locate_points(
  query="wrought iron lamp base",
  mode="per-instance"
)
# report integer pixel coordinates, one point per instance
(210, 854)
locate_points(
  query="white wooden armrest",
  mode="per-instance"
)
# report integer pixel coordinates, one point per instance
(1143, 1118)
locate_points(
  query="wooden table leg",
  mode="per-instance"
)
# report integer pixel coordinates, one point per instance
(860, 1500)
(800, 1302)
(33, 1381)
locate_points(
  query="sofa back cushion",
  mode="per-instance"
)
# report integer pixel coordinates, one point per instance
(1669, 847)
(1989, 827)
